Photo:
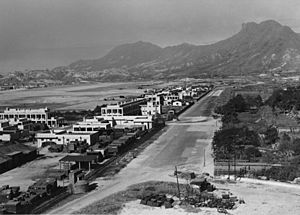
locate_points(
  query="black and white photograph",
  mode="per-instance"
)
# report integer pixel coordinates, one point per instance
(150, 107)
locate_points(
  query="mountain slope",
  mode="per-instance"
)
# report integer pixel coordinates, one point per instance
(256, 48)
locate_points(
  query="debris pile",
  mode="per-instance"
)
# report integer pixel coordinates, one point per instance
(210, 200)
(157, 200)
(199, 193)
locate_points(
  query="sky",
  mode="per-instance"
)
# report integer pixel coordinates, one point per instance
(31, 30)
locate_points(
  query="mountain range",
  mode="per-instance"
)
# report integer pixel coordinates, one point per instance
(257, 48)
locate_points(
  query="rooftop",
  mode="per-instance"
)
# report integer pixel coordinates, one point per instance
(79, 158)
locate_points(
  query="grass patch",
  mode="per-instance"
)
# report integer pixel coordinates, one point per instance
(115, 202)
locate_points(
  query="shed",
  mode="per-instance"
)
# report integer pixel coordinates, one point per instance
(81, 160)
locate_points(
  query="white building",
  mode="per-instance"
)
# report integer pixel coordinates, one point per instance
(94, 124)
(22, 124)
(145, 121)
(41, 115)
(178, 103)
(5, 126)
(170, 97)
(153, 106)
(125, 108)
(65, 137)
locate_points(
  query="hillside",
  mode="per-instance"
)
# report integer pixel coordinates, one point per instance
(256, 48)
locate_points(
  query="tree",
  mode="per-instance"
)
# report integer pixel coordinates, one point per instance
(267, 114)
(254, 101)
(230, 119)
(252, 152)
(227, 141)
(271, 135)
(296, 146)
(285, 143)
(236, 104)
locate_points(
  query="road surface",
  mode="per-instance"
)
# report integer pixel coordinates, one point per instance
(182, 144)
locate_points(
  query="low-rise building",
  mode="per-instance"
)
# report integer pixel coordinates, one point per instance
(145, 121)
(41, 115)
(178, 103)
(170, 97)
(153, 106)
(125, 108)
(5, 126)
(22, 124)
(63, 137)
(94, 124)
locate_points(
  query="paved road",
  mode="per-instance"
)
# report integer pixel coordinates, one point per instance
(185, 141)
(182, 144)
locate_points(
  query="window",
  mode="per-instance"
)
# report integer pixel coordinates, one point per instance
(89, 129)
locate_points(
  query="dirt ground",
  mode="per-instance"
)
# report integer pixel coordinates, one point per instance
(261, 197)
(26, 174)
(84, 96)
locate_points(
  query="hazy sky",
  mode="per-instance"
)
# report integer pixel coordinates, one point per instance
(43, 24)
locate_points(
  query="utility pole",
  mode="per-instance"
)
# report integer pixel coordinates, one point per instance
(234, 165)
(177, 182)
(204, 158)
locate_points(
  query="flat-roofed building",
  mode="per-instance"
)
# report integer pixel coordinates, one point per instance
(170, 97)
(40, 115)
(22, 124)
(145, 121)
(63, 137)
(153, 106)
(94, 124)
(125, 108)
(5, 126)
